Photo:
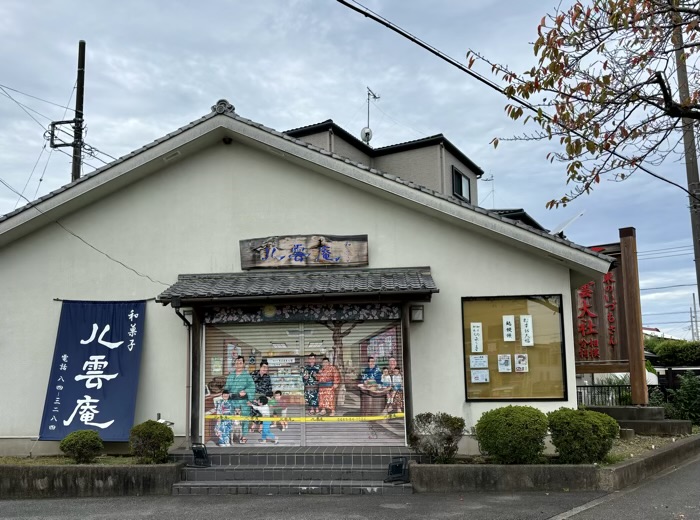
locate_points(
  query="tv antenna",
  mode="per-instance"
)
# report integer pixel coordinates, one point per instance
(366, 133)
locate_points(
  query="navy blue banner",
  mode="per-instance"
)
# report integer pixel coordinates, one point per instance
(95, 370)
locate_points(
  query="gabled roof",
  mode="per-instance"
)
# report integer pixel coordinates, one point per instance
(416, 144)
(224, 123)
(407, 282)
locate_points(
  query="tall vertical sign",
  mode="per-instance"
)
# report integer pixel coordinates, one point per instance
(95, 370)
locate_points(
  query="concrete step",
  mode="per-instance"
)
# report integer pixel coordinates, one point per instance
(631, 413)
(290, 456)
(284, 473)
(291, 487)
(666, 427)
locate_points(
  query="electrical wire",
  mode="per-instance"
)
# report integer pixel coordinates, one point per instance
(663, 256)
(35, 97)
(43, 148)
(43, 173)
(659, 313)
(666, 249)
(668, 287)
(20, 105)
(33, 205)
(392, 26)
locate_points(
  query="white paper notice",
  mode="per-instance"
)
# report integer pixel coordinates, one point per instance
(480, 376)
(477, 337)
(509, 327)
(521, 364)
(481, 361)
(527, 335)
(504, 364)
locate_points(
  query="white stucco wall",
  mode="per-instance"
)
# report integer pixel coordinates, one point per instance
(188, 218)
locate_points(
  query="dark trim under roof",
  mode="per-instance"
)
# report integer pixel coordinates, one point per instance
(521, 216)
(394, 283)
(434, 140)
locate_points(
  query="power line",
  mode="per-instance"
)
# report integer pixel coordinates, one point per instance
(667, 287)
(33, 205)
(659, 313)
(35, 97)
(667, 322)
(665, 249)
(433, 50)
(663, 256)
(31, 174)
(20, 105)
(51, 151)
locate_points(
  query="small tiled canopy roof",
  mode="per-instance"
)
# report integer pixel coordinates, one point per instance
(405, 282)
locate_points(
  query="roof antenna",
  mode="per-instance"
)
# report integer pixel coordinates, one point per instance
(366, 133)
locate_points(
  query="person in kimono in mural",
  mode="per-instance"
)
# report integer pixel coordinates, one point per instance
(310, 377)
(242, 388)
(224, 426)
(263, 388)
(372, 375)
(328, 383)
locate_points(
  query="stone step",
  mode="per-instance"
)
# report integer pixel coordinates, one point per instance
(285, 456)
(631, 413)
(291, 487)
(665, 427)
(286, 473)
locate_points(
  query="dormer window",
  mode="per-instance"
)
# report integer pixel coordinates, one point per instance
(461, 185)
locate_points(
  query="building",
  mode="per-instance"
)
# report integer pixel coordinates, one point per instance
(244, 241)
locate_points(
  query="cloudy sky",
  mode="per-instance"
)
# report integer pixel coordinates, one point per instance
(289, 63)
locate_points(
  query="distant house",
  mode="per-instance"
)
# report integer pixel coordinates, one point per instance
(256, 247)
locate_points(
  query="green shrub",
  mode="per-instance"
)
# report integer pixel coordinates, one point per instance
(582, 436)
(83, 445)
(685, 402)
(513, 434)
(676, 353)
(436, 436)
(150, 440)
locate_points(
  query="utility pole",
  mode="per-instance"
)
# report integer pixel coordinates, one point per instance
(78, 125)
(691, 157)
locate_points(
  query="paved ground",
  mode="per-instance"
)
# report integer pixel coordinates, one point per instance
(674, 495)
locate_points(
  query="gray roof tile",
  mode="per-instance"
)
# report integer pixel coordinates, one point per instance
(408, 280)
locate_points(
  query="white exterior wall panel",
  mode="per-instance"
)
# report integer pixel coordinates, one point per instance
(188, 218)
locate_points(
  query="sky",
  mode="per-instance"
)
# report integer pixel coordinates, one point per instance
(290, 63)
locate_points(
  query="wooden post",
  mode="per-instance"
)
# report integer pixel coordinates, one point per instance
(633, 316)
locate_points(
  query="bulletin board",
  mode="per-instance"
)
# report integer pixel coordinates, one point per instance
(514, 348)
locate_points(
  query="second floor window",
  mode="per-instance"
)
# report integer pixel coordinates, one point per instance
(461, 185)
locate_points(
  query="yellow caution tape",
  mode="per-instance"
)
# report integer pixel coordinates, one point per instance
(312, 418)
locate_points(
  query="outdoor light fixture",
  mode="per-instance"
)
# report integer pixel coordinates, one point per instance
(416, 313)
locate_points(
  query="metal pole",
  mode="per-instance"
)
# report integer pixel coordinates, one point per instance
(692, 325)
(78, 126)
(691, 161)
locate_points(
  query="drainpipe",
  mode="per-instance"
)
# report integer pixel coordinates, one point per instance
(331, 141)
(442, 170)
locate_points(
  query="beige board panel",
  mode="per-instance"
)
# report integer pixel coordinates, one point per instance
(335, 408)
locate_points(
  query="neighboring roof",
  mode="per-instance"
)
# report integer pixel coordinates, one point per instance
(433, 140)
(521, 216)
(224, 123)
(406, 281)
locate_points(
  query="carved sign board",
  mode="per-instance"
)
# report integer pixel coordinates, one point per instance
(304, 251)
(601, 340)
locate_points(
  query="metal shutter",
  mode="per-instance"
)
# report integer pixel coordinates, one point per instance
(367, 414)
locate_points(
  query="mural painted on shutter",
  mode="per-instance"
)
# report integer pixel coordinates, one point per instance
(321, 383)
